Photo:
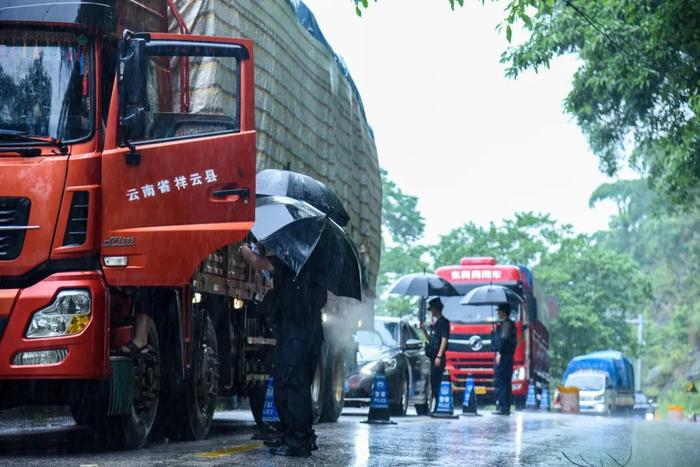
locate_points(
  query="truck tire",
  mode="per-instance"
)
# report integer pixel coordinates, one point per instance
(202, 386)
(131, 430)
(335, 388)
(318, 387)
(519, 403)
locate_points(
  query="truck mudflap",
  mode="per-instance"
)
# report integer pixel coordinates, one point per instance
(80, 356)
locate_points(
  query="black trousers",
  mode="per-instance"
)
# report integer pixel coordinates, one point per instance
(296, 357)
(436, 376)
(503, 380)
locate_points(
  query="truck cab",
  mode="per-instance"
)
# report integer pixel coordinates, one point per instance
(470, 350)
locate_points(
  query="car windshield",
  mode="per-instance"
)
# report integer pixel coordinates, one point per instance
(392, 327)
(371, 338)
(45, 85)
(586, 382)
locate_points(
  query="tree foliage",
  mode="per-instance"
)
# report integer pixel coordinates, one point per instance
(521, 240)
(400, 215)
(636, 93)
(596, 288)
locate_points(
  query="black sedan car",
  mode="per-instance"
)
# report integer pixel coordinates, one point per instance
(400, 348)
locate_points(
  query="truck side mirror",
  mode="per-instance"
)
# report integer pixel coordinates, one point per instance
(133, 100)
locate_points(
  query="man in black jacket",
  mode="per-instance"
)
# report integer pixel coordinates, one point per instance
(438, 345)
(504, 343)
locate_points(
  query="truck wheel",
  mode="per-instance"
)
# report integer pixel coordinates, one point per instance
(519, 403)
(335, 388)
(203, 383)
(133, 429)
(318, 388)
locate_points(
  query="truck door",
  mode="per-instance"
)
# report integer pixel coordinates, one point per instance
(179, 180)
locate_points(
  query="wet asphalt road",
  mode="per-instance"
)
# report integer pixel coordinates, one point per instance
(524, 438)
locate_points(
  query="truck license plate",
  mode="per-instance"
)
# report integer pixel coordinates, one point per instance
(480, 390)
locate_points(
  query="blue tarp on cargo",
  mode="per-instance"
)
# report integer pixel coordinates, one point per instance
(615, 363)
(308, 21)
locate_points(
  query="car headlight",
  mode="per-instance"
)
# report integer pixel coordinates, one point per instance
(369, 368)
(69, 314)
(519, 374)
(389, 363)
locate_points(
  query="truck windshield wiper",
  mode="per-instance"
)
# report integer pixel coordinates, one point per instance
(6, 134)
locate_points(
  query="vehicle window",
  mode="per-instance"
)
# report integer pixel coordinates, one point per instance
(405, 333)
(586, 382)
(386, 336)
(190, 96)
(391, 327)
(46, 81)
(368, 338)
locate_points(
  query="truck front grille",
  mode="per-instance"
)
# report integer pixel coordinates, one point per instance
(470, 343)
(14, 215)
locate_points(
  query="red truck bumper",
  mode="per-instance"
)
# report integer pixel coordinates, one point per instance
(81, 356)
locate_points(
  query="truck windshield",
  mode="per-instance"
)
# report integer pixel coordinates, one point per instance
(586, 382)
(465, 314)
(45, 85)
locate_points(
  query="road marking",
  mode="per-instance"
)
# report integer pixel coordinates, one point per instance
(229, 451)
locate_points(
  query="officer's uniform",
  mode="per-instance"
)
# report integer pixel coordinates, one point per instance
(441, 328)
(504, 344)
(299, 339)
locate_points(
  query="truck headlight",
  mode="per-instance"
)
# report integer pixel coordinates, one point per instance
(519, 374)
(69, 314)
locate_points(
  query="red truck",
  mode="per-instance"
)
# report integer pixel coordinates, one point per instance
(128, 164)
(470, 348)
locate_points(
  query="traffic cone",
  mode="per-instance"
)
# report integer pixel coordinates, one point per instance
(445, 403)
(531, 400)
(544, 403)
(270, 416)
(379, 403)
(469, 403)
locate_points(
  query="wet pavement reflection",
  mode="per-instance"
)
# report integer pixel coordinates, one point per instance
(524, 438)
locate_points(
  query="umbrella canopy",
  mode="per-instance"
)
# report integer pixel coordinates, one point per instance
(273, 182)
(423, 285)
(294, 231)
(491, 295)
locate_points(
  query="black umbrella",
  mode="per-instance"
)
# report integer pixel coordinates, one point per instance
(302, 187)
(491, 295)
(295, 231)
(423, 285)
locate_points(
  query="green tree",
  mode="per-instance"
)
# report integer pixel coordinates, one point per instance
(400, 215)
(597, 289)
(521, 240)
(403, 226)
(636, 94)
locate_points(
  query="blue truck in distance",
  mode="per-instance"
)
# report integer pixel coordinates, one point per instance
(605, 380)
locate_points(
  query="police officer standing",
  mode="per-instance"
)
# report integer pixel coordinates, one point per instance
(504, 344)
(298, 304)
(438, 344)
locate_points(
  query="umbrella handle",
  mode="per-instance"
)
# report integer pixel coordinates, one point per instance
(421, 311)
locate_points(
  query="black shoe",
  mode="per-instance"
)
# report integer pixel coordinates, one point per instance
(499, 412)
(314, 446)
(289, 451)
(274, 442)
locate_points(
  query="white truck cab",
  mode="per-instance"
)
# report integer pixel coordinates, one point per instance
(596, 394)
